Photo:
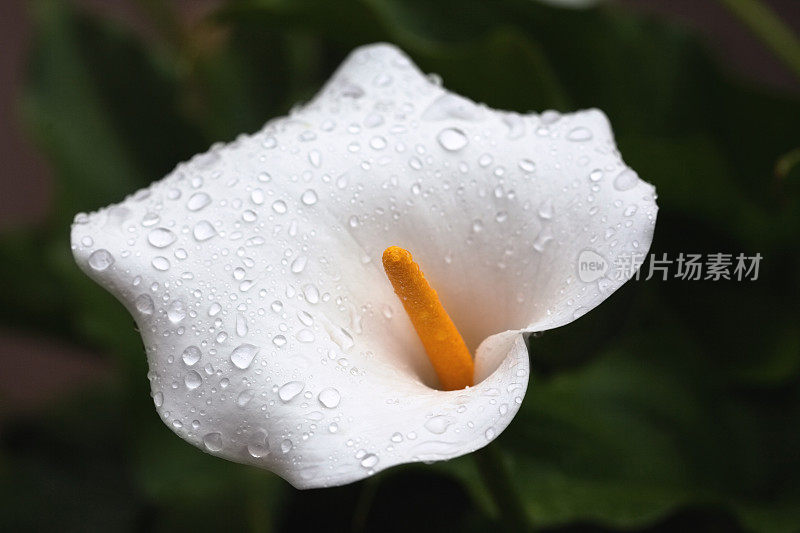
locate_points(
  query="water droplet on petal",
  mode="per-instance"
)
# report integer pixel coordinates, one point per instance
(580, 134)
(241, 325)
(377, 143)
(329, 397)
(309, 197)
(243, 355)
(279, 341)
(299, 264)
(198, 201)
(191, 355)
(311, 293)
(193, 380)
(626, 180)
(144, 304)
(305, 335)
(369, 460)
(101, 260)
(545, 236)
(257, 196)
(437, 424)
(176, 311)
(279, 206)
(161, 237)
(452, 139)
(546, 209)
(213, 442)
(244, 397)
(203, 231)
(258, 446)
(315, 158)
(288, 391)
(161, 263)
(527, 166)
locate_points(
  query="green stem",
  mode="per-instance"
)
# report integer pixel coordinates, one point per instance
(768, 27)
(497, 479)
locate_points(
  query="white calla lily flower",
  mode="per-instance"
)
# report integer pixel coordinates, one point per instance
(254, 272)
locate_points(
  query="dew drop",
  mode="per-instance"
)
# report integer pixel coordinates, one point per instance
(213, 442)
(279, 206)
(176, 311)
(258, 447)
(309, 197)
(243, 355)
(161, 263)
(257, 196)
(241, 325)
(150, 219)
(144, 304)
(580, 134)
(527, 166)
(369, 460)
(279, 341)
(329, 397)
(198, 201)
(305, 335)
(437, 424)
(546, 209)
(244, 397)
(311, 293)
(626, 180)
(290, 390)
(203, 231)
(191, 355)
(542, 239)
(161, 237)
(193, 380)
(315, 158)
(101, 260)
(452, 139)
(299, 264)
(341, 337)
(377, 143)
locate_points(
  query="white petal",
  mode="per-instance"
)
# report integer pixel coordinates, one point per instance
(264, 257)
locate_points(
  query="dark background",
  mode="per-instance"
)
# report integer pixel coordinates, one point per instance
(674, 404)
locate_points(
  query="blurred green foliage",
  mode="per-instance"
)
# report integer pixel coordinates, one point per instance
(674, 404)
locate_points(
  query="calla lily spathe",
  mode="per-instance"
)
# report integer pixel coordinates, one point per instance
(254, 270)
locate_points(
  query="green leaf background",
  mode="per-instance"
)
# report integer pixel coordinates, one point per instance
(674, 405)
